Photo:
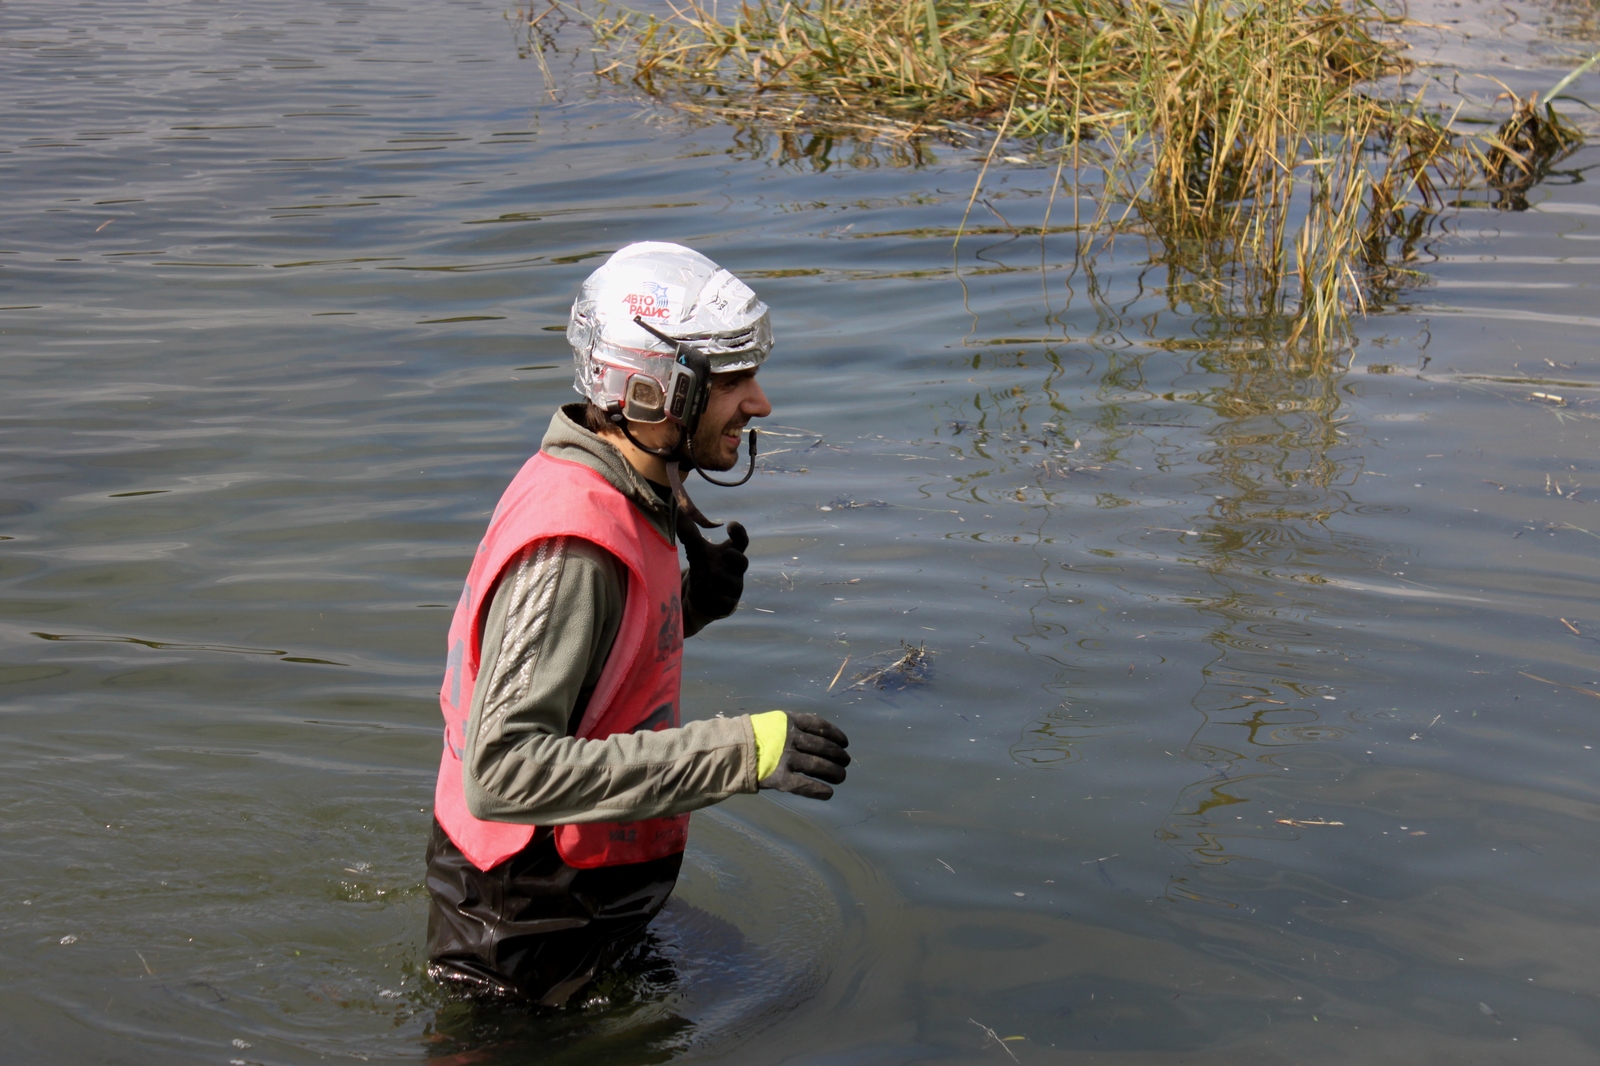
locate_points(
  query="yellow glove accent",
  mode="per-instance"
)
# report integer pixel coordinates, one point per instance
(772, 733)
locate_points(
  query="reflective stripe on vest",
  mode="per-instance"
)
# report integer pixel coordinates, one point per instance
(638, 688)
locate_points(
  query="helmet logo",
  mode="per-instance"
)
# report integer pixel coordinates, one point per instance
(655, 302)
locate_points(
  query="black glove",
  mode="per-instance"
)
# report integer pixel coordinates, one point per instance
(815, 747)
(716, 571)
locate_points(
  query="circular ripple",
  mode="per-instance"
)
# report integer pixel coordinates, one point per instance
(747, 932)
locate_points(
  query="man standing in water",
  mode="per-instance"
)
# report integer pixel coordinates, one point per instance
(564, 792)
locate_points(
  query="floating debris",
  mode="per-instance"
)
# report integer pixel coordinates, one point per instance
(911, 668)
(989, 1034)
(1547, 397)
(1298, 823)
(845, 503)
(839, 673)
(1562, 684)
(1054, 468)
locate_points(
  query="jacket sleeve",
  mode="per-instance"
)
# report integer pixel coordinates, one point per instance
(552, 620)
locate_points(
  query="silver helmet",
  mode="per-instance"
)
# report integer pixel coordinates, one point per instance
(682, 294)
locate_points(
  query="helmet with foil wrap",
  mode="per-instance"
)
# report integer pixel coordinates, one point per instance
(642, 311)
(648, 329)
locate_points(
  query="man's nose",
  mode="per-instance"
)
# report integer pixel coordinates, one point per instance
(755, 404)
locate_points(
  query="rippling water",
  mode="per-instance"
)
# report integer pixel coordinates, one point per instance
(1260, 719)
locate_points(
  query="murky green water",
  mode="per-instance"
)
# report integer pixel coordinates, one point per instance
(1234, 746)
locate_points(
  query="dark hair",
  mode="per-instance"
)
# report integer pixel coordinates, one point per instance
(595, 419)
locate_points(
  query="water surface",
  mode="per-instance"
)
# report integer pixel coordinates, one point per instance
(1261, 713)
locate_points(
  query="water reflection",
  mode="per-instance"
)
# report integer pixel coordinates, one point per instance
(1229, 462)
(1281, 463)
(825, 149)
(1577, 21)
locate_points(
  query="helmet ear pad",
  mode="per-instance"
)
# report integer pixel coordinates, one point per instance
(643, 400)
(683, 399)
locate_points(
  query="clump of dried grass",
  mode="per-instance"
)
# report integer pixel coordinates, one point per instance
(1242, 135)
(910, 667)
(1060, 66)
(1526, 145)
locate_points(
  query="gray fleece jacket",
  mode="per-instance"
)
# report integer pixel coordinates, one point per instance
(552, 619)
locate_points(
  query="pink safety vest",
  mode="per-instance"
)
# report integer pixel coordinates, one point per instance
(637, 689)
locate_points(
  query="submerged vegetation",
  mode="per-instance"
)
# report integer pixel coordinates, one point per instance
(1264, 147)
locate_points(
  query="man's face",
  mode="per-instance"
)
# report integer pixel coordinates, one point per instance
(733, 401)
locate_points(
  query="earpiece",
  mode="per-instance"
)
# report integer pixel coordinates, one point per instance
(691, 379)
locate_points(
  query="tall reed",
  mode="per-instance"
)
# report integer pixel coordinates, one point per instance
(1247, 138)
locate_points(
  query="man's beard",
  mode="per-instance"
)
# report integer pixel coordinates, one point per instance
(708, 447)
